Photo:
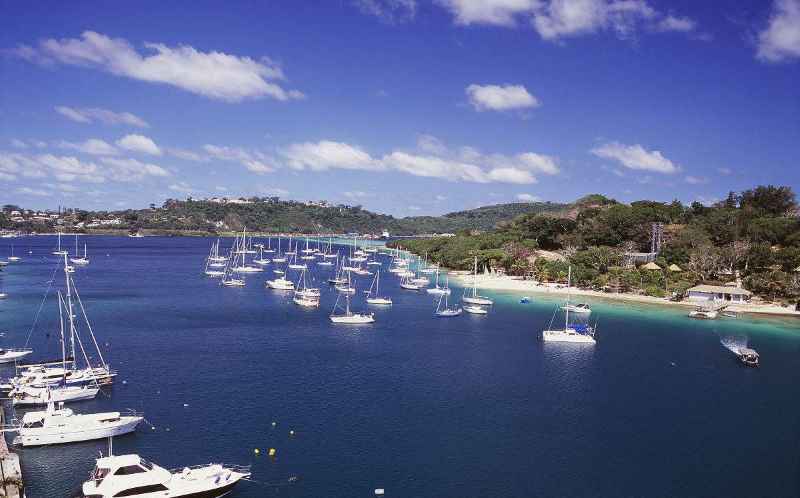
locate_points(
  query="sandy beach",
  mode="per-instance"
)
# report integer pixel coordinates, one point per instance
(516, 284)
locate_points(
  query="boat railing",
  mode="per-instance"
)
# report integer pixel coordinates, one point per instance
(244, 469)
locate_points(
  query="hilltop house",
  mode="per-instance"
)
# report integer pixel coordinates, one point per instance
(714, 293)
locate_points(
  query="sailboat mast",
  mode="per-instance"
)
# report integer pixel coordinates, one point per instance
(70, 314)
(569, 290)
(63, 342)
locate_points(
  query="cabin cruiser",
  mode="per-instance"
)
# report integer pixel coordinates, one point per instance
(705, 314)
(280, 284)
(749, 357)
(62, 425)
(40, 396)
(39, 376)
(133, 476)
(577, 308)
(9, 355)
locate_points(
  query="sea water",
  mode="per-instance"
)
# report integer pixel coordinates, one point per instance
(473, 406)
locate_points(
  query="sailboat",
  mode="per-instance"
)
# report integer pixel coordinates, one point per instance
(474, 298)
(216, 260)
(66, 372)
(59, 251)
(269, 249)
(348, 316)
(261, 259)
(241, 248)
(407, 284)
(582, 333)
(291, 252)
(339, 278)
(345, 287)
(437, 289)
(135, 477)
(279, 258)
(281, 282)
(210, 270)
(329, 254)
(294, 265)
(305, 295)
(308, 253)
(375, 297)
(77, 260)
(228, 279)
(446, 311)
(13, 258)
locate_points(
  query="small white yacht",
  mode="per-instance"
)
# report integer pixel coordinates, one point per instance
(40, 396)
(62, 425)
(9, 355)
(473, 297)
(12, 258)
(135, 477)
(349, 317)
(578, 333)
(582, 308)
(437, 289)
(280, 284)
(373, 294)
(476, 309)
(78, 260)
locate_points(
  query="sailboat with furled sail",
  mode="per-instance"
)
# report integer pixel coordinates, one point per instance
(373, 294)
(578, 333)
(78, 260)
(33, 378)
(471, 296)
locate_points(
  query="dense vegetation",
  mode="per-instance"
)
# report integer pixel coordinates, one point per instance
(754, 234)
(275, 215)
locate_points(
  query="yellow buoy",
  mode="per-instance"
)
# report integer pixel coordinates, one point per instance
(256, 451)
(272, 452)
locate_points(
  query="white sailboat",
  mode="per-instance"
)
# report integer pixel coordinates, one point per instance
(446, 311)
(78, 260)
(269, 249)
(294, 265)
(583, 334)
(304, 295)
(12, 258)
(279, 258)
(135, 477)
(241, 249)
(228, 279)
(8, 355)
(59, 251)
(407, 284)
(373, 294)
(215, 258)
(437, 289)
(474, 298)
(347, 316)
(63, 372)
(261, 260)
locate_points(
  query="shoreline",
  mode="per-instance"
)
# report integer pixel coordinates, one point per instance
(510, 284)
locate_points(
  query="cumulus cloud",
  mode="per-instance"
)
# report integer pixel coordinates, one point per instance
(187, 155)
(139, 143)
(328, 154)
(431, 144)
(181, 187)
(255, 161)
(33, 191)
(216, 75)
(130, 170)
(527, 198)
(497, 12)
(19, 144)
(635, 157)
(780, 40)
(556, 19)
(90, 115)
(93, 146)
(696, 180)
(500, 97)
(390, 11)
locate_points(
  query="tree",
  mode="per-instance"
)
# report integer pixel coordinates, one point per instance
(704, 261)
(769, 200)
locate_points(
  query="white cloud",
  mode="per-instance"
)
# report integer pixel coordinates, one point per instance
(327, 154)
(434, 167)
(93, 146)
(556, 19)
(441, 197)
(780, 40)
(187, 155)
(696, 180)
(414, 208)
(390, 11)
(500, 97)
(181, 187)
(7, 176)
(19, 144)
(68, 168)
(33, 191)
(256, 162)
(635, 157)
(673, 23)
(139, 143)
(216, 75)
(130, 170)
(357, 194)
(220, 188)
(276, 191)
(724, 171)
(431, 144)
(89, 115)
(527, 198)
(497, 12)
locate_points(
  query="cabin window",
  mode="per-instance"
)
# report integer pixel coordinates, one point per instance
(144, 463)
(140, 490)
(128, 470)
(34, 425)
(100, 474)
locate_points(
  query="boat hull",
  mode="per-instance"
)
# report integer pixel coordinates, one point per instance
(561, 336)
(477, 300)
(54, 436)
(352, 319)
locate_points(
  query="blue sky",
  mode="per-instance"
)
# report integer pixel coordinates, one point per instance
(404, 106)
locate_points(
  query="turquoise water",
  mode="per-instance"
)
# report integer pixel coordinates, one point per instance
(424, 407)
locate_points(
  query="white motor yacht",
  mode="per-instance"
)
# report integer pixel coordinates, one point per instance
(62, 425)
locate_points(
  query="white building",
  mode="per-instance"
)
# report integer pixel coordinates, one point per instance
(717, 293)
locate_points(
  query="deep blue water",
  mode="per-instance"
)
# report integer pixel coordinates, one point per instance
(423, 407)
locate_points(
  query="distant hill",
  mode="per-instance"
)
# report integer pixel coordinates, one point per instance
(275, 215)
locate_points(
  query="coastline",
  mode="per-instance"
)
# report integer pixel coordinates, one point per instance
(511, 284)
